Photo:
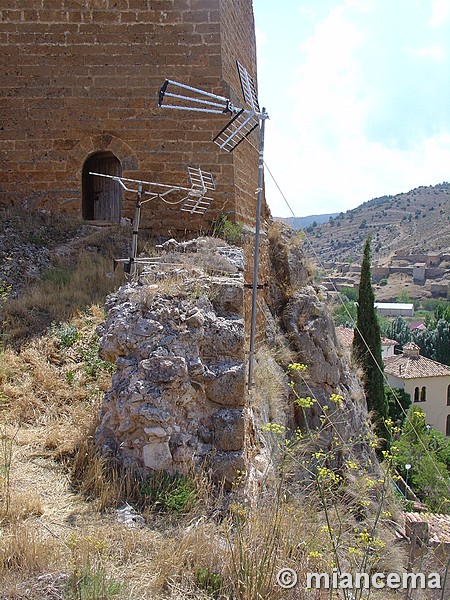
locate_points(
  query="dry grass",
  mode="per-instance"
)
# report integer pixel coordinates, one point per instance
(58, 528)
(21, 506)
(79, 272)
(237, 547)
(59, 532)
(62, 292)
(97, 479)
(270, 390)
(36, 388)
(25, 551)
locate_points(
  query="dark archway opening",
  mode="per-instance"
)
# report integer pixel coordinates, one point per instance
(102, 197)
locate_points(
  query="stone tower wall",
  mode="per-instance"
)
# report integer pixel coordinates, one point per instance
(82, 76)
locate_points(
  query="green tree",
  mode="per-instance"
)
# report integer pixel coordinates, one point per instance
(434, 342)
(344, 313)
(367, 345)
(399, 330)
(428, 452)
(404, 297)
(350, 293)
(441, 341)
(398, 404)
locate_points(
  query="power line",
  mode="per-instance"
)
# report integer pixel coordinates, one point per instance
(317, 257)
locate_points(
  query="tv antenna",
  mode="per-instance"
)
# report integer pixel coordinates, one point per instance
(242, 123)
(194, 200)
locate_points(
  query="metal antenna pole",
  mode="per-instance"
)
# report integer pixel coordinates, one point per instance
(194, 201)
(136, 219)
(251, 358)
(244, 121)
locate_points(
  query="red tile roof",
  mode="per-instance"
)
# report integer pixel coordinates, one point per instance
(345, 336)
(413, 367)
(439, 525)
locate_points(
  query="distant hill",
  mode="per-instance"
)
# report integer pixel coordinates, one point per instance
(302, 222)
(414, 222)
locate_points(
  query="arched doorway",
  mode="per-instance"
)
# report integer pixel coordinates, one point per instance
(102, 197)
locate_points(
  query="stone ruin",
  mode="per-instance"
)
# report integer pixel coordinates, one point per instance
(177, 337)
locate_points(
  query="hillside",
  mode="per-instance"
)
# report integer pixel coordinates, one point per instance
(301, 222)
(414, 222)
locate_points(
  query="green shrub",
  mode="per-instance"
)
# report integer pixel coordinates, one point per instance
(58, 276)
(92, 584)
(228, 230)
(404, 297)
(208, 581)
(169, 492)
(344, 314)
(66, 333)
(350, 292)
(5, 290)
(93, 364)
(398, 404)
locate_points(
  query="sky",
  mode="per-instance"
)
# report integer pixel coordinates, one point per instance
(358, 95)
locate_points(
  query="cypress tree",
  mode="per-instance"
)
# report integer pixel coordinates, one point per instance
(367, 345)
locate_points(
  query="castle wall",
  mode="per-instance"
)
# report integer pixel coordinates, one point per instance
(82, 76)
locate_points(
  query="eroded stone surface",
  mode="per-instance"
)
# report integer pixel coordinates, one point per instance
(157, 456)
(177, 339)
(179, 395)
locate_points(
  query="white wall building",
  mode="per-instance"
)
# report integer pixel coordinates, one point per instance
(395, 309)
(425, 380)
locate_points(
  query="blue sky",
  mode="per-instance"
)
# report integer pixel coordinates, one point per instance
(358, 94)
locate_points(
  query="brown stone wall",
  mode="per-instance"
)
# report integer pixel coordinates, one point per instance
(238, 43)
(82, 76)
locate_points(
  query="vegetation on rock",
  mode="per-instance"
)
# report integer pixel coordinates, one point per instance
(326, 505)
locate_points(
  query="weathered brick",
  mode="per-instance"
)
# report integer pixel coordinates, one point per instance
(84, 76)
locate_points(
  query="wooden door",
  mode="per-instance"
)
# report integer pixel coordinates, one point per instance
(102, 197)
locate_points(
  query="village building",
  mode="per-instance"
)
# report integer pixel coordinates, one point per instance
(426, 381)
(417, 325)
(395, 309)
(345, 336)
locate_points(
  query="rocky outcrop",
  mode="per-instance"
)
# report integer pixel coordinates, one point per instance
(302, 320)
(178, 395)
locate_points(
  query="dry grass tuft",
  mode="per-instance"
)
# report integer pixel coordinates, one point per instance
(100, 479)
(21, 505)
(271, 389)
(46, 383)
(62, 292)
(24, 550)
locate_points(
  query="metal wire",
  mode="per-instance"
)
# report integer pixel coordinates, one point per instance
(411, 424)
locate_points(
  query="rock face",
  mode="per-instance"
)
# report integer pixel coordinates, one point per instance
(304, 322)
(178, 395)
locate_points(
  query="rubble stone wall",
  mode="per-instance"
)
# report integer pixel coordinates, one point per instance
(177, 337)
(178, 395)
